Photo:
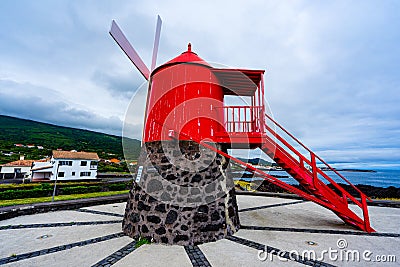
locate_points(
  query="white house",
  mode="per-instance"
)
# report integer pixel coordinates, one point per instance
(67, 165)
(16, 169)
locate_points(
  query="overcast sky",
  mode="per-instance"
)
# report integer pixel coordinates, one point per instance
(332, 67)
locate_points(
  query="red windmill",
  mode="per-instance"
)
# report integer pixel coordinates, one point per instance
(183, 192)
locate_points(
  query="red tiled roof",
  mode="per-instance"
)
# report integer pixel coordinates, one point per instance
(19, 163)
(26, 163)
(115, 160)
(75, 155)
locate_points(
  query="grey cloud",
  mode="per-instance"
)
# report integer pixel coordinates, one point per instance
(50, 110)
(119, 85)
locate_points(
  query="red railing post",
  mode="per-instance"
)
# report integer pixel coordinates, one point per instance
(344, 197)
(252, 119)
(232, 111)
(314, 169)
(239, 119)
(365, 213)
(301, 163)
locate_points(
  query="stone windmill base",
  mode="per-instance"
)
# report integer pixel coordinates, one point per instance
(183, 195)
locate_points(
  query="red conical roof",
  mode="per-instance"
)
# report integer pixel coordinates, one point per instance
(188, 56)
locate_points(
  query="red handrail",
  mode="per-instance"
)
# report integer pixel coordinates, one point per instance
(247, 123)
(313, 154)
(250, 125)
(312, 163)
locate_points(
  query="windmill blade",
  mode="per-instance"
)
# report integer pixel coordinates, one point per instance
(156, 43)
(121, 40)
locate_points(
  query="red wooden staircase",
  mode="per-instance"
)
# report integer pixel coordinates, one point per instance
(314, 179)
(304, 169)
(311, 178)
(318, 192)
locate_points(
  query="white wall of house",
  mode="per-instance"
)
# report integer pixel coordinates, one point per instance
(8, 171)
(68, 169)
(43, 173)
(74, 169)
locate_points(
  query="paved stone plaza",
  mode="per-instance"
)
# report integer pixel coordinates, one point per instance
(92, 236)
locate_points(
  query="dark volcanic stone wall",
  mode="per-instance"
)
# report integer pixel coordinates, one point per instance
(184, 196)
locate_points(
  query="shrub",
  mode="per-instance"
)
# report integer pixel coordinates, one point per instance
(117, 187)
(141, 241)
(47, 186)
(29, 193)
(79, 190)
(46, 189)
(5, 187)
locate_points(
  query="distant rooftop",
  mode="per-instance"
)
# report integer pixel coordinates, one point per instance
(22, 163)
(57, 154)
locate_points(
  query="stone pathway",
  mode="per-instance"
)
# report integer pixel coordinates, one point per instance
(282, 232)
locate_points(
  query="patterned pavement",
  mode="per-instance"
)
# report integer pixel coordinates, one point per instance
(280, 229)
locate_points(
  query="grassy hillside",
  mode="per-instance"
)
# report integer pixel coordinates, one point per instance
(20, 131)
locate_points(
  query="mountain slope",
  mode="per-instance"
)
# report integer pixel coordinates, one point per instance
(20, 131)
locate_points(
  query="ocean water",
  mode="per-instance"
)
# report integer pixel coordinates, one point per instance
(381, 178)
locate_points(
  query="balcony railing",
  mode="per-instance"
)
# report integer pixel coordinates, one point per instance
(244, 119)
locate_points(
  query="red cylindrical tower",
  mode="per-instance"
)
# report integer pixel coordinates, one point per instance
(183, 94)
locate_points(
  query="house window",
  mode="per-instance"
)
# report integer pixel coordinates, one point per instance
(73, 173)
(93, 164)
(65, 163)
(83, 163)
(85, 174)
(60, 174)
(17, 170)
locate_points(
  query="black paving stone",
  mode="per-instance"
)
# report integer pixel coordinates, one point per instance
(101, 212)
(196, 256)
(43, 225)
(116, 256)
